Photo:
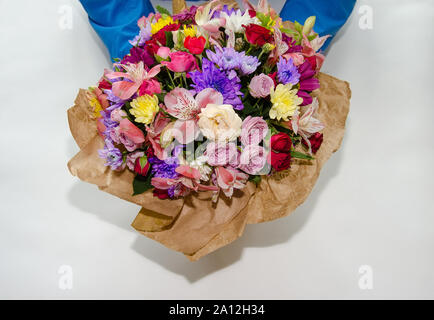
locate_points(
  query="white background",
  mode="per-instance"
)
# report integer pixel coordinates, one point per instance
(372, 205)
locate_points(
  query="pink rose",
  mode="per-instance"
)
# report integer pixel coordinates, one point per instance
(163, 52)
(221, 153)
(253, 130)
(261, 85)
(149, 87)
(181, 62)
(253, 159)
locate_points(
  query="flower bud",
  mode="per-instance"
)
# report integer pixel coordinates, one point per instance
(308, 25)
(268, 47)
(142, 166)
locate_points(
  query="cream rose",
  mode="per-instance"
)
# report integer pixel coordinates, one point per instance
(219, 122)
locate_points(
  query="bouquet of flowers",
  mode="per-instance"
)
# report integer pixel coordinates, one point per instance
(212, 100)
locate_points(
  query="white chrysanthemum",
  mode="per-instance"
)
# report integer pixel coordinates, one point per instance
(237, 19)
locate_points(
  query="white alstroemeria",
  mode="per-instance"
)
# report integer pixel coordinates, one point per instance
(200, 164)
(306, 125)
(236, 20)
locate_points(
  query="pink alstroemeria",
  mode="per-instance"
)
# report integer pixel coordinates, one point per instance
(136, 74)
(229, 179)
(131, 131)
(306, 125)
(189, 181)
(154, 132)
(262, 7)
(181, 104)
(311, 48)
(204, 18)
(280, 46)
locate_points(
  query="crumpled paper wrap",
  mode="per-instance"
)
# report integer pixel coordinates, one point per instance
(195, 225)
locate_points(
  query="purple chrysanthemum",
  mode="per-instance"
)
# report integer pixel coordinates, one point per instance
(212, 77)
(225, 58)
(112, 155)
(229, 59)
(166, 168)
(287, 71)
(248, 64)
(143, 36)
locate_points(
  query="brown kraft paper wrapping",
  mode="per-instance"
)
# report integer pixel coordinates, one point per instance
(194, 225)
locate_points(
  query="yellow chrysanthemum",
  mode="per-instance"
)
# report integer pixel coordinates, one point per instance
(285, 102)
(190, 31)
(94, 103)
(161, 23)
(144, 108)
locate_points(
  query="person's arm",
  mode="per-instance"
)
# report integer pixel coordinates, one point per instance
(331, 15)
(115, 21)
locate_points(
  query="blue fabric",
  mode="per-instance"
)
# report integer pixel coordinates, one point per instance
(115, 21)
(330, 14)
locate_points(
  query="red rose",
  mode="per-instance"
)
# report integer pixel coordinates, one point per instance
(194, 45)
(152, 46)
(315, 141)
(160, 36)
(279, 161)
(104, 84)
(273, 76)
(281, 142)
(161, 194)
(252, 13)
(141, 166)
(258, 35)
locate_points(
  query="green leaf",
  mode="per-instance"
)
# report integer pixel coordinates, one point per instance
(141, 184)
(255, 179)
(162, 10)
(300, 155)
(169, 39)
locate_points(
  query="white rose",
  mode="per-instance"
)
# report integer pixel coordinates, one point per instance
(220, 122)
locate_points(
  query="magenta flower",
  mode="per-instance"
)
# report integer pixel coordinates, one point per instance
(307, 83)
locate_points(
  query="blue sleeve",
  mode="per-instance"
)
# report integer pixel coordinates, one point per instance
(115, 21)
(330, 14)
